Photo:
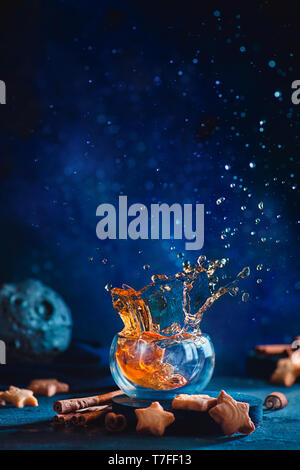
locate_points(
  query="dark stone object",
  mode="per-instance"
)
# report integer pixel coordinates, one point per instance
(35, 322)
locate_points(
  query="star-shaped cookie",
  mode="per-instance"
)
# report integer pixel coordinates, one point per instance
(287, 370)
(48, 387)
(231, 415)
(153, 420)
(2, 401)
(19, 397)
(193, 402)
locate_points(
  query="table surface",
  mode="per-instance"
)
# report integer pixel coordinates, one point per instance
(31, 428)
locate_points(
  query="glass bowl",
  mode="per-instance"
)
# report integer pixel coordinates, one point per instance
(161, 367)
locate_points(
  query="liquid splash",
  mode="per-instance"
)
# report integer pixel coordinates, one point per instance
(169, 309)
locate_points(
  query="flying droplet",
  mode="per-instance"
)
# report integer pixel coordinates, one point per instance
(263, 239)
(201, 259)
(233, 292)
(244, 273)
(108, 287)
(259, 281)
(261, 205)
(243, 208)
(257, 221)
(104, 261)
(220, 200)
(259, 267)
(245, 297)
(146, 267)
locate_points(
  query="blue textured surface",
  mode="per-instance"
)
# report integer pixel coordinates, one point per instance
(30, 428)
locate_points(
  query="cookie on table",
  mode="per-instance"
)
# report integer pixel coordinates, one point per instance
(48, 387)
(193, 402)
(153, 420)
(2, 401)
(231, 415)
(287, 370)
(19, 397)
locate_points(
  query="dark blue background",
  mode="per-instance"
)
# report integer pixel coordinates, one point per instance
(152, 100)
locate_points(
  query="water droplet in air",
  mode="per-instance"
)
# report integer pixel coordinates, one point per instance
(233, 292)
(220, 200)
(104, 261)
(259, 281)
(261, 205)
(244, 273)
(259, 267)
(108, 287)
(245, 297)
(201, 259)
(146, 267)
(243, 208)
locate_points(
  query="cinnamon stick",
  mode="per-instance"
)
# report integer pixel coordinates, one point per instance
(62, 419)
(115, 423)
(80, 419)
(273, 349)
(73, 404)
